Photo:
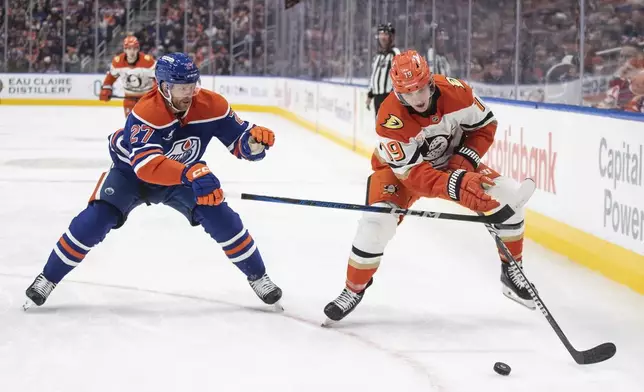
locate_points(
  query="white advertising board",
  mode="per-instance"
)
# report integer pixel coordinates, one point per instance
(365, 128)
(301, 98)
(46, 86)
(337, 108)
(244, 90)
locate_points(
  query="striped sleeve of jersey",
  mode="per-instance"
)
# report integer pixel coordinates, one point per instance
(229, 129)
(477, 115)
(479, 127)
(473, 116)
(112, 74)
(235, 127)
(117, 146)
(115, 66)
(225, 124)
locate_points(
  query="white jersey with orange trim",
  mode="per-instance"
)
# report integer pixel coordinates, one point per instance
(456, 121)
(155, 144)
(137, 78)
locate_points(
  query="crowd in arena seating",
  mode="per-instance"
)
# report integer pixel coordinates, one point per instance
(44, 35)
(62, 36)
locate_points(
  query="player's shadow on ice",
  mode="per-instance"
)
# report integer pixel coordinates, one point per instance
(142, 309)
(434, 323)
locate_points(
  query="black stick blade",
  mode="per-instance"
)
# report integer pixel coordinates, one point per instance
(596, 354)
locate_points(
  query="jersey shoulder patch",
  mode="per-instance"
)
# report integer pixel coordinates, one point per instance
(145, 61)
(207, 106)
(394, 120)
(151, 109)
(455, 94)
(116, 60)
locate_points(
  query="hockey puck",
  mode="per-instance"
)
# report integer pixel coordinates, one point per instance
(502, 368)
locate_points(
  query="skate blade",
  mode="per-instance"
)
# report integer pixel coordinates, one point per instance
(327, 323)
(28, 304)
(277, 306)
(528, 303)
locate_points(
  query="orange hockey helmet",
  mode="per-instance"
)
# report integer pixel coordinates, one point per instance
(130, 42)
(410, 72)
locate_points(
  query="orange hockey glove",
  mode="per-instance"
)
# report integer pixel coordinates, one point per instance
(251, 144)
(205, 185)
(263, 135)
(106, 93)
(467, 189)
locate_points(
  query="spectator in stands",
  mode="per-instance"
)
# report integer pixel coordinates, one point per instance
(437, 57)
(39, 41)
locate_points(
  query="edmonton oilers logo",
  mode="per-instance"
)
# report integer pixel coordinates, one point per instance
(185, 150)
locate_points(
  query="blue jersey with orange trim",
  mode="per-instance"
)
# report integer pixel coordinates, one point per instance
(153, 134)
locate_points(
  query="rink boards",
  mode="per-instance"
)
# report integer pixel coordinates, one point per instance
(588, 164)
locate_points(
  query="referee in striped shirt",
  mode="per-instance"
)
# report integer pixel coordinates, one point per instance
(380, 83)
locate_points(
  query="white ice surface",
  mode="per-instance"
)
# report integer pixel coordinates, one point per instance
(157, 306)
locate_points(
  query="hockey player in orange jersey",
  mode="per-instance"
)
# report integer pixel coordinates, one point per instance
(433, 131)
(136, 70)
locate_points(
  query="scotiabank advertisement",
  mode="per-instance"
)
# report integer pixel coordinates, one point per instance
(588, 169)
(521, 156)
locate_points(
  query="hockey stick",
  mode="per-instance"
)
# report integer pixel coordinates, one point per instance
(594, 355)
(498, 217)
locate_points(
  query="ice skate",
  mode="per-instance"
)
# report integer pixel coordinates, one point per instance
(340, 307)
(38, 292)
(514, 285)
(267, 291)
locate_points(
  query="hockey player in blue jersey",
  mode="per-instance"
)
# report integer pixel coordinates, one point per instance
(156, 159)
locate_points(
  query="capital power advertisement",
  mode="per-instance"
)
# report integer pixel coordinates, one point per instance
(618, 169)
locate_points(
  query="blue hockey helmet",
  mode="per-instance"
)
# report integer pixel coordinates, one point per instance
(176, 68)
(177, 77)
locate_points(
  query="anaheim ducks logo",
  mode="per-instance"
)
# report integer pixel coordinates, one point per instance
(392, 122)
(133, 81)
(185, 150)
